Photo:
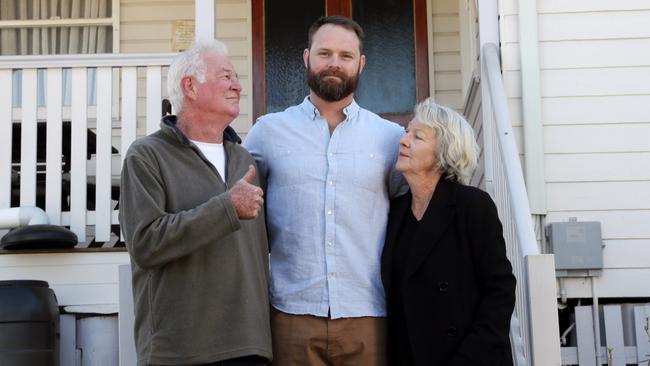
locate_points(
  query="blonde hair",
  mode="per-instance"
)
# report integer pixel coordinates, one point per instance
(457, 150)
(190, 63)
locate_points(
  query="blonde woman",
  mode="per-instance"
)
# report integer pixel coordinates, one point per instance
(449, 287)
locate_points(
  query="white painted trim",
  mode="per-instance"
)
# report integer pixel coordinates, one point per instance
(154, 98)
(106, 309)
(532, 107)
(544, 323)
(432, 60)
(28, 144)
(5, 137)
(103, 205)
(67, 22)
(115, 15)
(54, 146)
(613, 319)
(129, 115)
(641, 315)
(68, 340)
(488, 33)
(496, 99)
(205, 20)
(78, 148)
(88, 60)
(128, 355)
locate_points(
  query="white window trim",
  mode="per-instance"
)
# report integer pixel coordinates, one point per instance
(113, 21)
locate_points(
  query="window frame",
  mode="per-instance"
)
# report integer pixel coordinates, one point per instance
(341, 7)
(113, 21)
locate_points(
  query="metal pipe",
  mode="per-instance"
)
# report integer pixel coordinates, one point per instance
(596, 315)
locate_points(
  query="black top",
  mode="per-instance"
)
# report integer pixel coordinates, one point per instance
(402, 353)
(456, 290)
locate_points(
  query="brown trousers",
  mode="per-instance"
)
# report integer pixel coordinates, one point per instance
(317, 341)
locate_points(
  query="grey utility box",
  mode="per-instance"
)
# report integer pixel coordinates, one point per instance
(576, 245)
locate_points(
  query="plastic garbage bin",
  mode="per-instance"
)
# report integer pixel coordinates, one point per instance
(29, 324)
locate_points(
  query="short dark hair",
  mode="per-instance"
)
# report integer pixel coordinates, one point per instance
(341, 21)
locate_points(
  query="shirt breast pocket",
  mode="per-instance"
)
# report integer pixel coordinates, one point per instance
(288, 166)
(370, 171)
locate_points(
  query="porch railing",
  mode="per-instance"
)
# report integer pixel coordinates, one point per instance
(535, 327)
(75, 176)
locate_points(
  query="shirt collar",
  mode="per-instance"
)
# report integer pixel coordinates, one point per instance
(351, 111)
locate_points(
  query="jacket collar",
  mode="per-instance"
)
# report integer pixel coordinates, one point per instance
(169, 125)
(437, 219)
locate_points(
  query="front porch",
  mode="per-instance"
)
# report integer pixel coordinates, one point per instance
(78, 187)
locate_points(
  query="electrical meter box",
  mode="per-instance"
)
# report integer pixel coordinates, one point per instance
(577, 245)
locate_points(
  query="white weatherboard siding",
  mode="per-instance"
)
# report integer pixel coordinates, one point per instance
(80, 280)
(147, 26)
(595, 88)
(234, 25)
(447, 53)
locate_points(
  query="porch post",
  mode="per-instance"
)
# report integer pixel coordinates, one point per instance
(544, 322)
(204, 18)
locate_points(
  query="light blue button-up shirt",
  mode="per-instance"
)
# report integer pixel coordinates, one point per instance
(327, 200)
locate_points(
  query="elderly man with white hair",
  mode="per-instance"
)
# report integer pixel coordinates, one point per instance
(190, 210)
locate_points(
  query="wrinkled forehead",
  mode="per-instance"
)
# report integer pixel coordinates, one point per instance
(417, 125)
(215, 62)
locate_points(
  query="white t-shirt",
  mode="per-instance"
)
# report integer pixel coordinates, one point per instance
(215, 155)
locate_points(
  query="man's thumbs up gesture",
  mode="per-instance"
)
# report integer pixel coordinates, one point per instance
(246, 197)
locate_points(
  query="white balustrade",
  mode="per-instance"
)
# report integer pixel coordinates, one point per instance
(63, 177)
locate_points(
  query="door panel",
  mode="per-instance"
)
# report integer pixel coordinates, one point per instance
(285, 40)
(387, 83)
(396, 74)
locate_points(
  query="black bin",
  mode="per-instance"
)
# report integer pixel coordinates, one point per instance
(29, 324)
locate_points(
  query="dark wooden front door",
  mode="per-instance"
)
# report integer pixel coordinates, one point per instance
(396, 48)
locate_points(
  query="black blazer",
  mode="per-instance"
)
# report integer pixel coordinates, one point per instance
(458, 289)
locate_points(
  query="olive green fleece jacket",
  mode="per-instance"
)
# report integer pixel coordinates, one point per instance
(200, 275)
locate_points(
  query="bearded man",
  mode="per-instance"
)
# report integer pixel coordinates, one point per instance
(328, 166)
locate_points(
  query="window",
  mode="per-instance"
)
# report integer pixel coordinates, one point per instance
(46, 27)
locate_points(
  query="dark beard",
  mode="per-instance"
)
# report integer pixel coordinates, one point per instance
(332, 90)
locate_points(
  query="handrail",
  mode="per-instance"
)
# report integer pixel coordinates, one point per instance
(87, 60)
(521, 210)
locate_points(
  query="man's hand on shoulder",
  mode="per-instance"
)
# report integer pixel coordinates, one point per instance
(246, 197)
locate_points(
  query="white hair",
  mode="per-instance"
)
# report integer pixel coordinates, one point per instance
(457, 150)
(190, 63)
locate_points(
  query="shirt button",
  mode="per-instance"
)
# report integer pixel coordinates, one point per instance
(329, 212)
(331, 182)
(372, 155)
(329, 243)
(443, 286)
(451, 331)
